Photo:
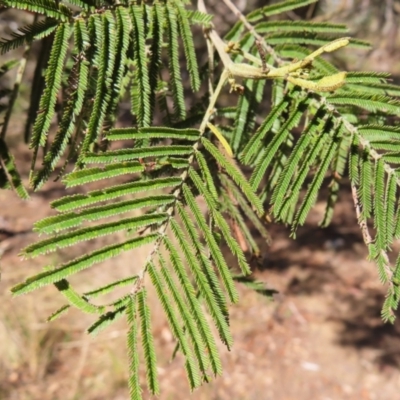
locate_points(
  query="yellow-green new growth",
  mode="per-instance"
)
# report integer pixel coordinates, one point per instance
(328, 83)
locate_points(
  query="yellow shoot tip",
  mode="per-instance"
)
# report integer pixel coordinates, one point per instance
(221, 139)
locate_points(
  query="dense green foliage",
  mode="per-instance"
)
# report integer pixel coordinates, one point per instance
(322, 125)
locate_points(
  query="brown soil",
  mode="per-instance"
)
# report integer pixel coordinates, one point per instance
(321, 337)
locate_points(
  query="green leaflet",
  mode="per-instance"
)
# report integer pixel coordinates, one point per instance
(188, 289)
(80, 263)
(254, 145)
(53, 84)
(105, 55)
(367, 77)
(110, 287)
(293, 163)
(199, 251)
(140, 94)
(133, 381)
(370, 103)
(191, 316)
(312, 192)
(365, 191)
(302, 26)
(58, 313)
(78, 81)
(8, 66)
(277, 8)
(157, 31)
(62, 285)
(246, 112)
(285, 208)
(393, 295)
(310, 38)
(188, 45)
(9, 175)
(190, 366)
(198, 17)
(257, 286)
(148, 343)
(240, 225)
(207, 175)
(72, 202)
(216, 253)
(73, 219)
(174, 65)
(220, 222)
(248, 211)
(87, 5)
(153, 133)
(50, 8)
(89, 175)
(275, 143)
(210, 290)
(108, 318)
(379, 133)
(79, 235)
(123, 29)
(379, 206)
(353, 161)
(236, 175)
(75, 299)
(390, 205)
(29, 33)
(338, 167)
(141, 152)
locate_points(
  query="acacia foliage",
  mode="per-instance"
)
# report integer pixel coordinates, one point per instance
(98, 54)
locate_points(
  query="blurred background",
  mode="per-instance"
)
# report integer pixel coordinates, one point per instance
(320, 338)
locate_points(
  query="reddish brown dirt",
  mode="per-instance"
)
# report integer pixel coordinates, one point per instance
(321, 338)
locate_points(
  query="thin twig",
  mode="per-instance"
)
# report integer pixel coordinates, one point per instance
(251, 29)
(361, 221)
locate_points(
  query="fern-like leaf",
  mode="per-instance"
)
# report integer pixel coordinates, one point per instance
(104, 26)
(53, 84)
(187, 38)
(79, 235)
(80, 263)
(133, 381)
(190, 366)
(275, 143)
(148, 343)
(188, 289)
(277, 8)
(153, 133)
(9, 175)
(141, 88)
(174, 65)
(233, 171)
(212, 299)
(192, 318)
(383, 104)
(302, 26)
(78, 82)
(49, 8)
(27, 34)
(72, 202)
(210, 239)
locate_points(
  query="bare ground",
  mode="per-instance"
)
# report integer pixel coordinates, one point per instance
(321, 337)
